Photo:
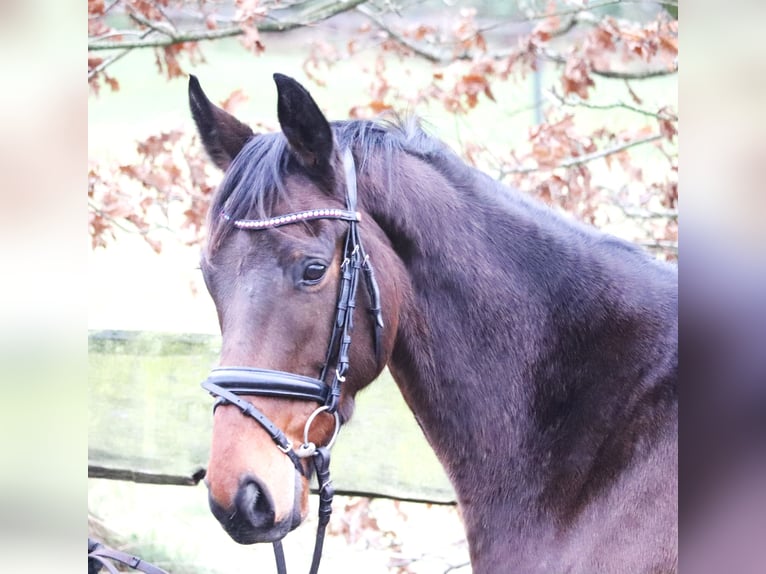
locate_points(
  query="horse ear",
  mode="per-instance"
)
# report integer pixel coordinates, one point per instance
(303, 123)
(222, 134)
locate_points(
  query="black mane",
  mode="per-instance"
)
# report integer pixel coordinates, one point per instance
(255, 181)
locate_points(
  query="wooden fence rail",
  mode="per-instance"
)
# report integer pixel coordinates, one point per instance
(150, 422)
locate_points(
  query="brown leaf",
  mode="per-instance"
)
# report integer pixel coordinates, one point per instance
(480, 42)
(378, 106)
(154, 244)
(113, 83)
(251, 40)
(668, 128)
(95, 7)
(576, 78)
(633, 95)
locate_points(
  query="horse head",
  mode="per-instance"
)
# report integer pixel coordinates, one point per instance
(276, 264)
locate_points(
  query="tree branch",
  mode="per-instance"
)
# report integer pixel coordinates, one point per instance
(191, 36)
(570, 102)
(581, 159)
(114, 221)
(576, 11)
(166, 30)
(641, 214)
(586, 7)
(445, 56)
(111, 60)
(639, 75)
(435, 56)
(616, 74)
(106, 63)
(313, 13)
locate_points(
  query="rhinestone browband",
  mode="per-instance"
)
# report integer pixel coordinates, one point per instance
(293, 218)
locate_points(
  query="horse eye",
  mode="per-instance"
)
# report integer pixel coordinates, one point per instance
(313, 273)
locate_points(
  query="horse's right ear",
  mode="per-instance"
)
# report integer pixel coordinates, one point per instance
(222, 134)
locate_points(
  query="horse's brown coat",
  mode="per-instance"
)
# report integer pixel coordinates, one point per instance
(538, 355)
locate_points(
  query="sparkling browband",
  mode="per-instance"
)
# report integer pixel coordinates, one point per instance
(293, 218)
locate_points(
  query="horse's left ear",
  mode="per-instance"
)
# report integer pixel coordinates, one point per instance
(303, 123)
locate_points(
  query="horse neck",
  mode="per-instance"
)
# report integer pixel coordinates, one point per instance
(514, 316)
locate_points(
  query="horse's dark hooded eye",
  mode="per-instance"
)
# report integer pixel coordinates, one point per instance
(313, 273)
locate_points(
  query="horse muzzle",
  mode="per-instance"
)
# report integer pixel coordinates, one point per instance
(252, 517)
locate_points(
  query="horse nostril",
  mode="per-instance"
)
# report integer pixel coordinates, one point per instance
(254, 505)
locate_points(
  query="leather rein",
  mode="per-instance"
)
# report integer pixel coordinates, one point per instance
(103, 555)
(228, 384)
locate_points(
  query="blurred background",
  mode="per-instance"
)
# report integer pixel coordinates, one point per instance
(573, 102)
(49, 264)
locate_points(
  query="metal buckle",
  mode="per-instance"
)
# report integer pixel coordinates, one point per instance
(287, 448)
(308, 448)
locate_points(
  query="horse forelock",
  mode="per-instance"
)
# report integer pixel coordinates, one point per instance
(251, 186)
(256, 180)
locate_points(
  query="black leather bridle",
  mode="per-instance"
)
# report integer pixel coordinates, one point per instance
(228, 384)
(100, 555)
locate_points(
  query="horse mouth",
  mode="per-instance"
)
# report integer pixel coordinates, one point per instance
(248, 535)
(251, 519)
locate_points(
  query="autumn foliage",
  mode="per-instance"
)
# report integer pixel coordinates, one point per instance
(597, 174)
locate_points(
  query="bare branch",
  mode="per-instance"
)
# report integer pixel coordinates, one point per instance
(313, 13)
(112, 59)
(191, 36)
(581, 159)
(616, 74)
(164, 29)
(577, 102)
(168, 19)
(641, 214)
(93, 206)
(106, 63)
(445, 56)
(115, 33)
(579, 10)
(594, 6)
(638, 75)
(436, 56)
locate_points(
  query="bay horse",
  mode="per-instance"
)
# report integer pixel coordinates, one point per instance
(538, 355)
